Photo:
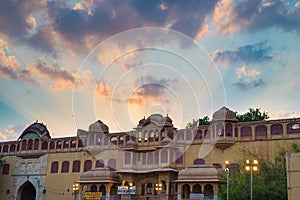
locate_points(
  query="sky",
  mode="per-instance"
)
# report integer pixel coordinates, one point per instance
(68, 64)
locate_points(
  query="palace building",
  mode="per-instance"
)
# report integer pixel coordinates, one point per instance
(155, 160)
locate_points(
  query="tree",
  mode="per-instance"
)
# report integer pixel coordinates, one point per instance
(269, 182)
(198, 122)
(252, 115)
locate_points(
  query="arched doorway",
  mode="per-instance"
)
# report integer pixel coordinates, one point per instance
(27, 191)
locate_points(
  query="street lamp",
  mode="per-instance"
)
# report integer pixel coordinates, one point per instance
(227, 178)
(75, 189)
(158, 188)
(251, 166)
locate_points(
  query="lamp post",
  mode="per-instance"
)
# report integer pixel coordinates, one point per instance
(251, 166)
(158, 188)
(227, 178)
(75, 189)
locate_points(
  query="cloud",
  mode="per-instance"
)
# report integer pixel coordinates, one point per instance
(248, 79)
(247, 85)
(243, 73)
(18, 23)
(151, 89)
(255, 15)
(63, 79)
(11, 132)
(10, 66)
(255, 53)
(101, 19)
(103, 90)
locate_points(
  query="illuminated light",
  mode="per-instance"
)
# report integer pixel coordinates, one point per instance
(255, 168)
(130, 184)
(160, 185)
(247, 161)
(226, 162)
(255, 162)
(247, 168)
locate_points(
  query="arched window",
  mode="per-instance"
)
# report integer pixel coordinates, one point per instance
(164, 156)
(44, 145)
(150, 159)
(30, 144)
(5, 148)
(293, 128)
(220, 129)
(65, 167)
(58, 145)
(80, 143)
(228, 129)
(52, 145)
(246, 131)
(66, 144)
(127, 158)
(12, 148)
(261, 130)
(5, 169)
(54, 167)
(93, 188)
(24, 145)
(149, 188)
(209, 191)
(112, 164)
(87, 165)
(197, 188)
(114, 140)
(73, 144)
(102, 189)
(36, 144)
(76, 166)
(276, 129)
(121, 140)
(99, 163)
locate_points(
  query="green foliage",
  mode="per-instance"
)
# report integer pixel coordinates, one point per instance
(269, 182)
(252, 115)
(198, 122)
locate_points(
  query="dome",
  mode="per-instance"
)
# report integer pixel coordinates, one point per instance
(199, 172)
(99, 127)
(224, 114)
(38, 129)
(157, 119)
(100, 174)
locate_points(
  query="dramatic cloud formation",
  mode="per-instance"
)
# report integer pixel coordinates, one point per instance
(255, 53)
(151, 89)
(247, 79)
(12, 131)
(255, 15)
(10, 66)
